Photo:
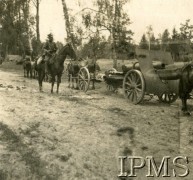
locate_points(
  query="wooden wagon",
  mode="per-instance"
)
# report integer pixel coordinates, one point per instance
(83, 72)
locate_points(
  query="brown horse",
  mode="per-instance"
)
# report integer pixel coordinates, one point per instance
(186, 86)
(56, 66)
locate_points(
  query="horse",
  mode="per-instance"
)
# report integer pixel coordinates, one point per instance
(56, 66)
(73, 69)
(27, 67)
(186, 86)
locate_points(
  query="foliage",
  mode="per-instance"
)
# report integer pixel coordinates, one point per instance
(37, 47)
(109, 17)
(186, 31)
(15, 21)
(95, 48)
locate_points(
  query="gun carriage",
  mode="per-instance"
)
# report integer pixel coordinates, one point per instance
(154, 73)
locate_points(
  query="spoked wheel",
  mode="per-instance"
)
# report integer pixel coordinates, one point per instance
(168, 97)
(134, 86)
(83, 79)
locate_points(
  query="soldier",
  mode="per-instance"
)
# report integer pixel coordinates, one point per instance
(49, 50)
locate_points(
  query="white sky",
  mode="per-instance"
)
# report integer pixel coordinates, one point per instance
(161, 14)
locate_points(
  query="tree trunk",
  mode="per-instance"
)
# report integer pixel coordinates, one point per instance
(114, 54)
(69, 29)
(37, 21)
(114, 35)
(26, 17)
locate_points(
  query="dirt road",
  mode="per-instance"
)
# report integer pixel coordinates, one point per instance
(73, 135)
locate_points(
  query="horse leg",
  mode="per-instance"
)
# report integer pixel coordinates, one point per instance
(76, 83)
(40, 86)
(58, 83)
(75, 86)
(27, 73)
(53, 81)
(40, 81)
(93, 84)
(184, 106)
(72, 78)
(24, 72)
(69, 80)
(34, 74)
(31, 74)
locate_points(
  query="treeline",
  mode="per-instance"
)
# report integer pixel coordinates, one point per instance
(102, 32)
(179, 42)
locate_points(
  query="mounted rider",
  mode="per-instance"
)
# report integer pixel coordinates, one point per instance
(49, 50)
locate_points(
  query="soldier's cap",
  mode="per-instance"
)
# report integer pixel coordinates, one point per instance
(50, 35)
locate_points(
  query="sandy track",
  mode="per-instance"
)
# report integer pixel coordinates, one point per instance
(74, 135)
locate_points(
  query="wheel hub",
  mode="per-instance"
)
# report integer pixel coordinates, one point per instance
(133, 86)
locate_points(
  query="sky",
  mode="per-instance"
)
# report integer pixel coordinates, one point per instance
(160, 14)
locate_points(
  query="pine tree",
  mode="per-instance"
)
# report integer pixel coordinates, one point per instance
(143, 43)
(165, 40)
(175, 34)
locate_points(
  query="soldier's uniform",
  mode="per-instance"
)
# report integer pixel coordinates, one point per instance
(50, 49)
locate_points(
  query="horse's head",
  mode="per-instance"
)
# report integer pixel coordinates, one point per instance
(68, 50)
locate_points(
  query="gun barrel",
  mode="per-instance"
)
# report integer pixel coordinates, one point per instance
(156, 65)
